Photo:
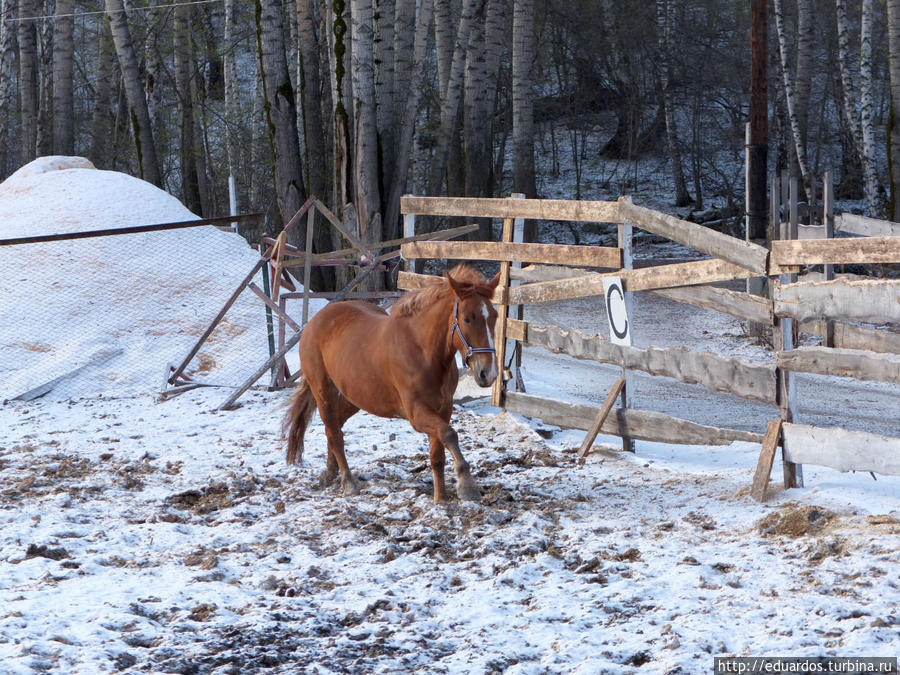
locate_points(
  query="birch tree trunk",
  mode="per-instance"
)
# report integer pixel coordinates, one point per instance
(102, 150)
(451, 98)
(893, 13)
(229, 73)
(138, 110)
(45, 104)
(280, 115)
(310, 98)
(190, 185)
(410, 110)
(7, 61)
(28, 80)
(482, 73)
(523, 105)
(874, 191)
(365, 156)
(664, 20)
(803, 73)
(789, 96)
(63, 95)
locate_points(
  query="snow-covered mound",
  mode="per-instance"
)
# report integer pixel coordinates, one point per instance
(120, 308)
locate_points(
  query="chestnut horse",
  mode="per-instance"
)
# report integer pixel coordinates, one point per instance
(354, 356)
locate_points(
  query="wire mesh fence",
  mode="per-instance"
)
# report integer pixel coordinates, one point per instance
(105, 316)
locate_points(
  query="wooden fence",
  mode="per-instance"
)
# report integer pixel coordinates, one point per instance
(825, 305)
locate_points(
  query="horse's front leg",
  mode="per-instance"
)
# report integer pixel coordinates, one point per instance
(442, 435)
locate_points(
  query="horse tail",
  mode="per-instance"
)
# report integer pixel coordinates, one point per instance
(303, 405)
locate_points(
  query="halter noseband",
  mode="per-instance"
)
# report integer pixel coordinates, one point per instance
(469, 350)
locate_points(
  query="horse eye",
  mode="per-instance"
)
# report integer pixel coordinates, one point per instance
(468, 319)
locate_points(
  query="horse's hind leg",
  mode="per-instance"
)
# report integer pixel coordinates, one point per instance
(438, 460)
(334, 410)
(345, 411)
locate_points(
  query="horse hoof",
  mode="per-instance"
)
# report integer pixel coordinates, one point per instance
(468, 493)
(326, 479)
(351, 489)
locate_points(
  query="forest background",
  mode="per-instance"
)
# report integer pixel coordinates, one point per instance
(361, 101)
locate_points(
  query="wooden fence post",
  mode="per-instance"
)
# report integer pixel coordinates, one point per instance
(625, 243)
(307, 261)
(502, 314)
(783, 340)
(518, 237)
(409, 230)
(828, 199)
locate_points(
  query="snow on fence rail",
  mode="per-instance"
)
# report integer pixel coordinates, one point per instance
(818, 305)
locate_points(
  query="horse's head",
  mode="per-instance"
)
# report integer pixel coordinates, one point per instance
(472, 327)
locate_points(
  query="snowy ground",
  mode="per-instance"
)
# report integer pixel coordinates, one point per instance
(140, 536)
(167, 538)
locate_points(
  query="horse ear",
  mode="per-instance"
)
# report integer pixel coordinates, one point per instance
(493, 283)
(455, 286)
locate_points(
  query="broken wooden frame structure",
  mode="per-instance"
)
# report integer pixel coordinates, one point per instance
(278, 287)
(863, 353)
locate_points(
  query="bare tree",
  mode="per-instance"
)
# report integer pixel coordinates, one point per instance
(63, 94)
(665, 10)
(28, 80)
(102, 150)
(45, 80)
(7, 61)
(789, 96)
(874, 192)
(139, 113)
(281, 114)
(190, 184)
(893, 14)
(523, 104)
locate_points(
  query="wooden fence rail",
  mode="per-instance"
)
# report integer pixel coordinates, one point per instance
(826, 308)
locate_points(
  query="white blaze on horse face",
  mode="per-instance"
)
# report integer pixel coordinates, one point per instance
(486, 313)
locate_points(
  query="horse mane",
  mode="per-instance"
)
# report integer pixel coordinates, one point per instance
(438, 289)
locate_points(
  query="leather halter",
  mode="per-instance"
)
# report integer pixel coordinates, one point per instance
(469, 350)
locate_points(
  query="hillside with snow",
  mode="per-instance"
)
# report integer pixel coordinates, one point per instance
(146, 537)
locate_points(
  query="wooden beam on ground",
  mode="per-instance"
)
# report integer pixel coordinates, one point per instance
(858, 364)
(643, 279)
(638, 424)
(716, 373)
(823, 251)
(866, 227)
(766, 459)
(601, 418)
(871, 300)
(853, 336)
(535, 209)
(585, 256)
(741, 305)
(842, 449)
(737, 251)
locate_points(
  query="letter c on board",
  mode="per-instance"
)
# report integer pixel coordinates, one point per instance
(612, 322)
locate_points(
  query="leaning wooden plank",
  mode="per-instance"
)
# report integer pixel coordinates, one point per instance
(741, 305)
(643, 279)
(841, 449)
(855, 363)
(605, 409)
(746, 254)
(853, 336)
(824, 251)
(766, 459)
(586, 256)
(643, 425)
(871, 301)
(748, 380)
(866, 227)
(538, 209)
